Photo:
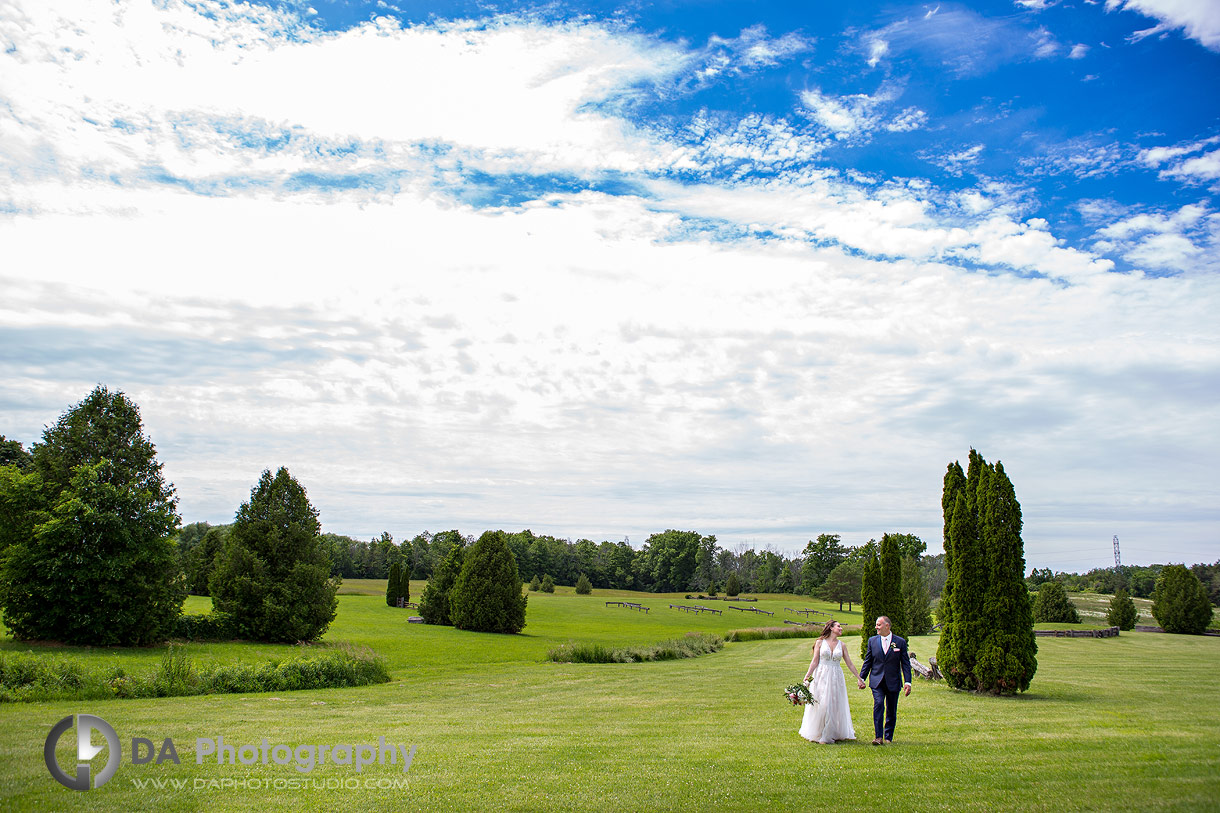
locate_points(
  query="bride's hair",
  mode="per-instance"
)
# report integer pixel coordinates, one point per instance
(826, 629)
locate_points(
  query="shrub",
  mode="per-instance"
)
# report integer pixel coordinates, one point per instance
(1053, 605)
(1122, 612)
(535, 584)
(215, 626)
(548, 584)
(273, 574)
(1180, 603)
(487, 595)
(583, 586)
(732, 587)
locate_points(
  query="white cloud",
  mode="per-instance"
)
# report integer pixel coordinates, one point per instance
(1079, 51)
(877, 50)
(1198, 20)
(1196, 169)
(856, 115)
(965, 42)
(1183, 241)
(956, 162)
(677, 354)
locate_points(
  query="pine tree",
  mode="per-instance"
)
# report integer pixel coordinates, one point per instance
(535, 584)
(732, 587)
(871, 587)
(548, 584)
(487, 595)
(391, 588)
(434, 604)
(891, 605)
(583, 586)
(273, 573)
(1122, 613)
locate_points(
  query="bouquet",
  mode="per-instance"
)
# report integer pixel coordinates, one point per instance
(799, 695)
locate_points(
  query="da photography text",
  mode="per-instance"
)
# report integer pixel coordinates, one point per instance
(304, 758)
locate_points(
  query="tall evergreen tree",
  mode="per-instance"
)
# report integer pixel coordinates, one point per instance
(915, 600)
(1007, 657)
(273, 573)
(391, 588)
(959, 642)
(891, 604)
(955, 483)
(871, 587)
(487, 596)
(986, 641)
(434, 604)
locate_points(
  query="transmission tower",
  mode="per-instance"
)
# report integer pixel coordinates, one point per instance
(1118, 562)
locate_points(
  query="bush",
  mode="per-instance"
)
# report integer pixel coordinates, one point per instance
(487, 595)
(548, 584)
(1180, 603)
(691, 645)
(583, 586)
(1053, 605)
(1122, 613)
(273, 574)
(535, 584)
(216, 626)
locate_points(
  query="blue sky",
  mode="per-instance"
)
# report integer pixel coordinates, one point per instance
(754, 269)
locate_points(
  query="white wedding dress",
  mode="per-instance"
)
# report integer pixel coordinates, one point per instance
(829, 719)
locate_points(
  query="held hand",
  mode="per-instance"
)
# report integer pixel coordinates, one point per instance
(906, 690)
(861, 682)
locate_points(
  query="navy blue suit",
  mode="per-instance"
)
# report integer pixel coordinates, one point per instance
(886, 672)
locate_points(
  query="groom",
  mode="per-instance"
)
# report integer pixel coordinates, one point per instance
(885, 657)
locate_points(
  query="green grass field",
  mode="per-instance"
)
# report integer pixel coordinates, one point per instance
(1128, 723)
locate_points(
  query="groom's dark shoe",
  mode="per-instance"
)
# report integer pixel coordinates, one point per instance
(877, 741)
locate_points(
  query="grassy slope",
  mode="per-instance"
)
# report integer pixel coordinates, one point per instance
(1122, 723)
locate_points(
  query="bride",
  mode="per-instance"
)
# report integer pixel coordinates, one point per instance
(829, 719)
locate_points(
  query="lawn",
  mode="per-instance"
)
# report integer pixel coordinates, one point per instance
(1109, 724)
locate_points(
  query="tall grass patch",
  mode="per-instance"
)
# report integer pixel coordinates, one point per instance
(690, 645)
(26, 677)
